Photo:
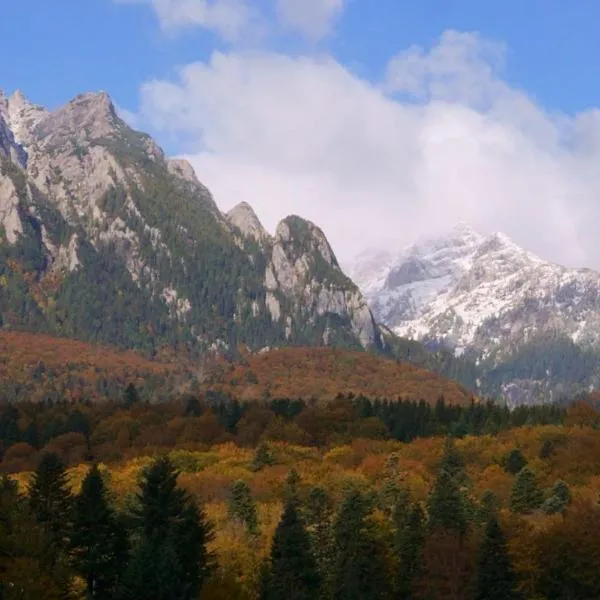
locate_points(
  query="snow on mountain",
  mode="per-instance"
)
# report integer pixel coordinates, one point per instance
(476, 292)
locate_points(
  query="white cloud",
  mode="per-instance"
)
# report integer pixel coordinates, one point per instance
(228, 18)
(313, 18)
(306, 136)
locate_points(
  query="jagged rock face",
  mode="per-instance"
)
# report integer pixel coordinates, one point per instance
(91, 209)
(305, 271)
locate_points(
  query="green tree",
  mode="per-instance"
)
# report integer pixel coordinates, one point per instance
(262, 458)
(291, 573)
(241, 506)
(51, 500)
(169, 558)
(130, 396)
(559, 499)
(408, 546)
(525, 495)
(28, 568)
(291, 485)
(446, 505)
(514, 461)
(488, 507)
(495, 575)
(359, 568)
(98, 541)
(318, 515)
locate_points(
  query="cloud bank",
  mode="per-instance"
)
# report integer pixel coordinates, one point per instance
(442, 139)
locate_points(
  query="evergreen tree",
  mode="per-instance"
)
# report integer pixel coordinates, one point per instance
(452, 462)
(51, 500)
(359, 570)
(262, 458)
(559, 499)
(28, 566)
(408, 544)
(318, 519)
(291, 485)
(495, 575)
(169, 559)
(241, 506)
(292, 571)
(488, 507)
(98, 541)
(131, 396)
(525, 496)
(446, 505)
(514, 461)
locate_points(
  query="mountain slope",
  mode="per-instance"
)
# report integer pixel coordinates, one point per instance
(531, 325)
(323, 373)
(103, 238)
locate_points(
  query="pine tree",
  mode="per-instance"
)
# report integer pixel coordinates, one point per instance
(495, 575)
(452, 462)
(98, 541)
(559, 499)
(408, 545)
(241, 506)
(446, 505)
(318, 519)
(525, 496)
(169, 559)
(359, 570)
(514, 461)
(130, 396)
(292, 571)
(51, 500)
(291, 485)
(262, 458)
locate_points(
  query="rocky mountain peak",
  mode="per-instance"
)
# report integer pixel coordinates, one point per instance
(244, 218)
(294, 232)
(88, 117)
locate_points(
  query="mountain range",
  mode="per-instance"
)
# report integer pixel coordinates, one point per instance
(530, 326)
(105, 239)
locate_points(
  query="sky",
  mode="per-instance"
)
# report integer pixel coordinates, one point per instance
(382, 121)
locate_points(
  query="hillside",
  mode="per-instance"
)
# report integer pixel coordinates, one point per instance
(323, 373)
(36, 367)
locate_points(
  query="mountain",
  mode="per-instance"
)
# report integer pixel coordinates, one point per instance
(531, 326)
(105, 239)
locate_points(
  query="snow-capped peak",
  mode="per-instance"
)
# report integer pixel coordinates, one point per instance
(481, 292)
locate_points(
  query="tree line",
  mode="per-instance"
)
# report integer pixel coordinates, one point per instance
(85, 431)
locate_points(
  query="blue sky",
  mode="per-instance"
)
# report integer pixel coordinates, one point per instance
(381, 120)
(54, 50)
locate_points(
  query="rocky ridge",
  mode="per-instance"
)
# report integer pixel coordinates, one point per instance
(94, 217)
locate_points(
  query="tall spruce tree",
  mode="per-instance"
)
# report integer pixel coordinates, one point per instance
(408, 545)
(51, 501)
(446, 505)
(291, 572)
(169, 558)
(359, 569)
(241, 506)
(318, 514)
(525, 495)
(98, 540)
(495, 575)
